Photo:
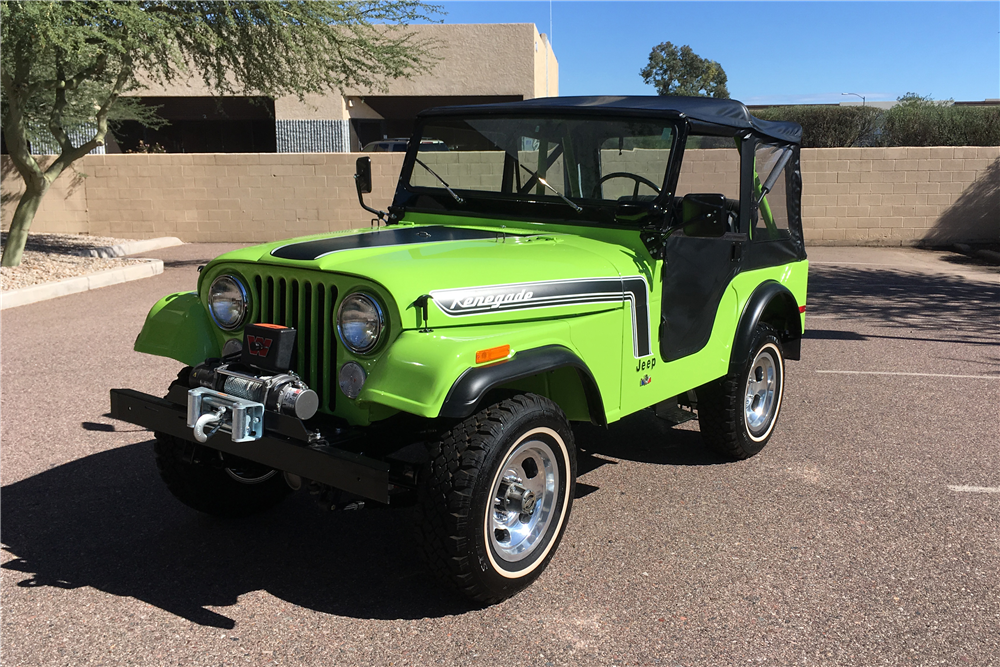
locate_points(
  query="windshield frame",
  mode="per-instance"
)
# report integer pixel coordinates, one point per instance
(549, 208)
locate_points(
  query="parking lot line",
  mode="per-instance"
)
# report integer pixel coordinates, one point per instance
(923, 375)
(975, 489)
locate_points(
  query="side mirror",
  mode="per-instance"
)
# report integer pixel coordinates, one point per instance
(363, 175)
(363, 180)
(704, 216)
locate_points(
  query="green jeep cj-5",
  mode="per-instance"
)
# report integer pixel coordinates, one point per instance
(542, 262)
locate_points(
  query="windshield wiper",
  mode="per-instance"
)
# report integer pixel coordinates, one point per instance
(434, 174)
(536, 177)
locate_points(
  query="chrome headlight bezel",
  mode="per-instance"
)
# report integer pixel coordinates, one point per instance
(371, 301)
(244, 295)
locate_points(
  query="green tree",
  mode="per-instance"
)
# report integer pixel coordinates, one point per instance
(683, 72)
(66, 66)
(914, 100)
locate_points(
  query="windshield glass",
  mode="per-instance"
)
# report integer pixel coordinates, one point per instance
(572, 162)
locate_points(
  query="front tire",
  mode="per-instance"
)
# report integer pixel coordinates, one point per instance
(216, 484)
(495, 497)
(737, 413)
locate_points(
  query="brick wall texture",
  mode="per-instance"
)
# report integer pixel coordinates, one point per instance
(851, 196)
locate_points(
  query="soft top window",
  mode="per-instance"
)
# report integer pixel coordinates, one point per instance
(571, 161)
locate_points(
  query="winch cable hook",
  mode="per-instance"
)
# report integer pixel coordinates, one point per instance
(205, 420)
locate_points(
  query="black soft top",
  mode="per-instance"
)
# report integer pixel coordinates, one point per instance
(705, 113)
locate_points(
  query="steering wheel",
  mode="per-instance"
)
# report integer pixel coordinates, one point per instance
(639, 180)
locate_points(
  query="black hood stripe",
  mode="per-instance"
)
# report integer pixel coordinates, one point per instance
(308, 251)
(467, 301)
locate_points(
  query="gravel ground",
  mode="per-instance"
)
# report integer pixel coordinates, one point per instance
(52, 257)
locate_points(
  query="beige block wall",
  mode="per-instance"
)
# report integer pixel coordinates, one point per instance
(214, 198)
(901, 196)
(851, 196)
(63, 210)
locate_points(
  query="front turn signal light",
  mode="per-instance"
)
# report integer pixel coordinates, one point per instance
(492, 354)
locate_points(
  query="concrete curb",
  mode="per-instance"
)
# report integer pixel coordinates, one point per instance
(22, 297)
(131, 248)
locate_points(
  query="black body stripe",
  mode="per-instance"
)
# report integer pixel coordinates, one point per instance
(312, 250)
(468, 301)
(637, 292)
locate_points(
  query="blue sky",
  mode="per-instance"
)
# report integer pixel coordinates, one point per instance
(791, 52)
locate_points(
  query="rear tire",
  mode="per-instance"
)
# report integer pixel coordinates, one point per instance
(216, 484)
(737, 413)
(495, 497)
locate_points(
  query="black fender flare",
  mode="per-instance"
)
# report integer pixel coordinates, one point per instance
(472, 385)
(771, 302)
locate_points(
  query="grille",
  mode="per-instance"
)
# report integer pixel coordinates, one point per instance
(306, 305)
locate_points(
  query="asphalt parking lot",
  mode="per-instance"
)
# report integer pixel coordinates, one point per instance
(866, 533)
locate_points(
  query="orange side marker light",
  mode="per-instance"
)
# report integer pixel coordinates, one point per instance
(492, 354)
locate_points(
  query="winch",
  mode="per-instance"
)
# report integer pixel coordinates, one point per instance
(224, 397)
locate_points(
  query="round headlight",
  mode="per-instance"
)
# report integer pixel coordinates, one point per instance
(227, 302)
(359, 322)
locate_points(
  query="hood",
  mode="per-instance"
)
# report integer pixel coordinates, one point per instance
(470, 274)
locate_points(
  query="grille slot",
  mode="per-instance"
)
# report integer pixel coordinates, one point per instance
(306, 305)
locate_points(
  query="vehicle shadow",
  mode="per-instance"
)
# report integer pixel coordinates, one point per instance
(106, 521)
(644, 438)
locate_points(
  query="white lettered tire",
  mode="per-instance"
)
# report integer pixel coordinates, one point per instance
(496, 495)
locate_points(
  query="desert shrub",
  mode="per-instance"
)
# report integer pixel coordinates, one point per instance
(909, 124)
(829, 126)
(932, 125)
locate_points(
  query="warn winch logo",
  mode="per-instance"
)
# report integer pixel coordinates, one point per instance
(258, 346)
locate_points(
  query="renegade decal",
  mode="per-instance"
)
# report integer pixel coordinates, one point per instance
(552, 293)
(311, 250)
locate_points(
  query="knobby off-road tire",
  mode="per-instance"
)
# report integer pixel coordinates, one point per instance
(737, 413)
(495, 497)
(227, 487)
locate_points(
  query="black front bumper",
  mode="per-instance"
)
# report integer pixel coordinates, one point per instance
(353, 473)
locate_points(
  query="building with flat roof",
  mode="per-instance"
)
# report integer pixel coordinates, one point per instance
(476, 64)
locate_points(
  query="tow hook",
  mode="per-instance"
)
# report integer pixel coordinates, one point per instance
(206, 419)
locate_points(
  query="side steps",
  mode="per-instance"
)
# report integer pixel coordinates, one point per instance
(678, 409)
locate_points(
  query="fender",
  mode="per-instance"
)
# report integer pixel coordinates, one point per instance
(470, 388)
(773, 303)
(178, 327)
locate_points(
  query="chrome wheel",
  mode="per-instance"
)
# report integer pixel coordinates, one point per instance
(524, 496)
(763, 392)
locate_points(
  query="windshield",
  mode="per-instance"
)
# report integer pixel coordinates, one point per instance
(572, 162)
